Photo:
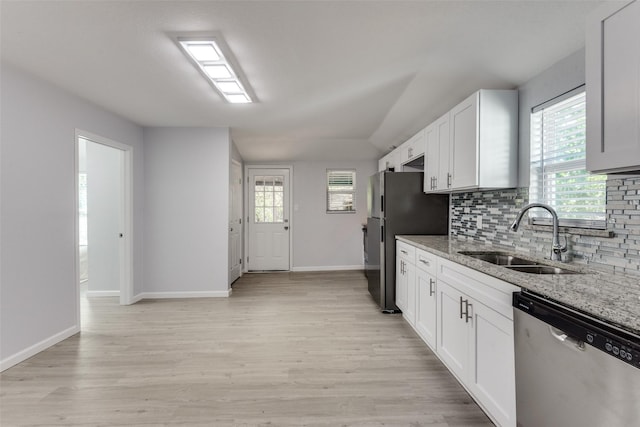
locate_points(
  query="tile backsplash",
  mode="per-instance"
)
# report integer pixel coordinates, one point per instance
(485, 216)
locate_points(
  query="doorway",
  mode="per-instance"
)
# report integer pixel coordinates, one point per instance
(104, 217)
(268, 218)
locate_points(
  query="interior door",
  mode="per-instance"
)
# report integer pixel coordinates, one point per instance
(235, 222)
(268, 219)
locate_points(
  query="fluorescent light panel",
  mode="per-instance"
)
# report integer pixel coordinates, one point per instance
(210, 59)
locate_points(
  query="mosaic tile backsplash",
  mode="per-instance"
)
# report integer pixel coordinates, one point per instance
(485, 216)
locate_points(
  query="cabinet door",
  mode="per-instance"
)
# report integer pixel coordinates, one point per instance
(426, 307)
(409, 313)
(492, 368)
(431, 157)
(613, 89)
(453, 330)
(443, 179)
(401, 284)
(464, 143)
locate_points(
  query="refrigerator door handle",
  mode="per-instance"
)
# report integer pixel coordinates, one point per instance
(382, 203)
(382, 233)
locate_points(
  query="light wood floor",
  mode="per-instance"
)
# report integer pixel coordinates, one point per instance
(286, 349)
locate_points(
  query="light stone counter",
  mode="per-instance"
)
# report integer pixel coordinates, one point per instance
(614, 298)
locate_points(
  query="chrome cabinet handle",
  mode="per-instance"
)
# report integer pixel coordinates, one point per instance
(424, 261)
(404, 252)
(431, 283)
(448, 180)
(461, 308)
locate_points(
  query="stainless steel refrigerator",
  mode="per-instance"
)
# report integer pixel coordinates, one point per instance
(397, 205)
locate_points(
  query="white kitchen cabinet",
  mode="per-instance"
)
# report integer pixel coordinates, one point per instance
(390, 161)
(475, 337)
(453, 330)
(613, 88)
(426, 316)
(474, 145)
(412, 148)
(483, 141)
(406, 281)
(437, 175)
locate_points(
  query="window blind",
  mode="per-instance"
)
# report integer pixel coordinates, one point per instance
(341, 190)
(558, 174)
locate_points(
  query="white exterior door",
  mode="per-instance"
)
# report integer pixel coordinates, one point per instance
(235, 222)
(268, 219)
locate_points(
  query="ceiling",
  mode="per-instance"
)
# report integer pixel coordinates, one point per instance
(334, 79)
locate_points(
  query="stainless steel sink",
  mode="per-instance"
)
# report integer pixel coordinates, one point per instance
(499, 258)
(540, 269)
(516, 263)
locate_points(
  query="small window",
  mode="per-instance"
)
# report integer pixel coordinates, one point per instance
(341, 190)
(558, 167)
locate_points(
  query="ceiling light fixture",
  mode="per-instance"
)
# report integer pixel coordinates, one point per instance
(214, 60)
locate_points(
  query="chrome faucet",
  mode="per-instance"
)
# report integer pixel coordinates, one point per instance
(556, 247)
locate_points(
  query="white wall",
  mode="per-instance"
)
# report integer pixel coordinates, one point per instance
(38, 292)
(565, 75)
(322, 240)
(104, 204)
(186, 211)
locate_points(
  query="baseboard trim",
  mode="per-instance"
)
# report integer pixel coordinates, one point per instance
(23, 355)
(137, 298)
(103, 294)
(329, 268)
(196, 294)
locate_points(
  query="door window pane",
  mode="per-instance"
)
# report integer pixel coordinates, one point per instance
(269, 196)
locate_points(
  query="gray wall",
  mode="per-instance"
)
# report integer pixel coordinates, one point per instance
(186, 211)
(38, 275)
(322, 240)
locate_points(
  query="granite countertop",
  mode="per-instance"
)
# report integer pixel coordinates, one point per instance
(614, 298)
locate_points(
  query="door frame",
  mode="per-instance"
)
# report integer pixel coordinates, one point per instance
(234, 162)
(248, 192)
(126, 216)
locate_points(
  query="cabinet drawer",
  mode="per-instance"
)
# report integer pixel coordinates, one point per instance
(406, 252)
(426, 261)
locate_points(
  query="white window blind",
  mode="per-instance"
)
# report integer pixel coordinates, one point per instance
(558, 174)
(341, 190)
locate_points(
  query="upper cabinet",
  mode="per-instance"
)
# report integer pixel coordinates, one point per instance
(390, 161)
(409, 151)
(613, 88)
(412, 148)
(477, 144)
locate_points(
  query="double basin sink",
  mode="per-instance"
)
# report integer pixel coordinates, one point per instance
(515, 263)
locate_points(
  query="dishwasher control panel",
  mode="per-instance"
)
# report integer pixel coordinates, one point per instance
(607, 338)
(620, 349)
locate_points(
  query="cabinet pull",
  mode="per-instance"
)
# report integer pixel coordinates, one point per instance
(404, 252)
(464, 314)
(424, 261)
(468, 316)
(431, 283)
(410, 152)
(448, 180)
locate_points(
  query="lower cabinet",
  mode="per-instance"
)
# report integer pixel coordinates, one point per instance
(476, 344)
(466, 317)
(426, 316)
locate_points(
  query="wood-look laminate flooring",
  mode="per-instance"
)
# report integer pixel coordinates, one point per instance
(286, 349)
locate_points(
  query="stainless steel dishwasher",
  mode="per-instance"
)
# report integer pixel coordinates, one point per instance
(572, 369)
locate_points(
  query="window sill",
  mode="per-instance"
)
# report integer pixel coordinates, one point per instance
(592, 232)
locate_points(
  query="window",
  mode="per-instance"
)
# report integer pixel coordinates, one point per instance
(341, 190)
(558, 174)
(268, 193)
